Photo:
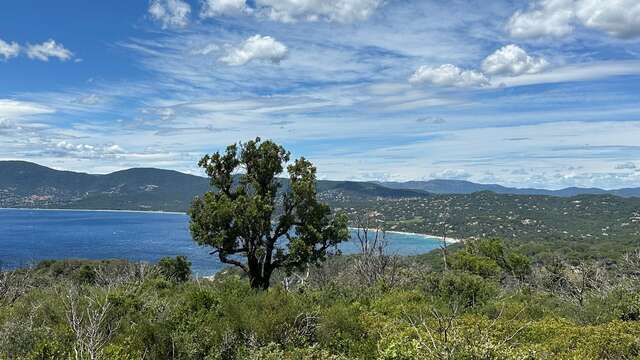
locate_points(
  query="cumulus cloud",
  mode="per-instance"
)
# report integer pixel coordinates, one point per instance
(448, 75)
(343, 11)
(512, 60)
(618, 18)
(48, 49)
(212, 8)
(66, 148)
(170, 13)
(545, 18)
(9, 50)
(557, 18)
(257, 47)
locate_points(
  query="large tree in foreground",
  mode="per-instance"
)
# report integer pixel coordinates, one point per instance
(254, 224)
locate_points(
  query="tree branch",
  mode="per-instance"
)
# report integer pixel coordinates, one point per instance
(226, 260)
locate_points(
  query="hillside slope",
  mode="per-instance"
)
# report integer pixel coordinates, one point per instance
(24, 184)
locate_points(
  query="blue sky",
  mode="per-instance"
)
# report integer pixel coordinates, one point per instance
(522, 93)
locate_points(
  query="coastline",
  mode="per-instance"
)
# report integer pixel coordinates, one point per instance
(429, 236)
(103, 210)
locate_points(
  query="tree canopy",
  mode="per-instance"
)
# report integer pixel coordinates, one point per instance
(254, 222)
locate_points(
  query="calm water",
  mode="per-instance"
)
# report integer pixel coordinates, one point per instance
(28, 236)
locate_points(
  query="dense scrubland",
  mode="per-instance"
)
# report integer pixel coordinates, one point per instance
(484, 302)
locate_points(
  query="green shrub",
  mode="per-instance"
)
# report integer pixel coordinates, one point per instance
(479, 265)
(460, 289)
(178, 269)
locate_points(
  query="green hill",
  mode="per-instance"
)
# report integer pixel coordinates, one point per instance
(24, 184)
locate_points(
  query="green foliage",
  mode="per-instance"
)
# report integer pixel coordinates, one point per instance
(86, 275)
(460, 289)
(520, 265)
(175, 269)
(578, 228)
(240, 218)
(455, 314)
(479, 265)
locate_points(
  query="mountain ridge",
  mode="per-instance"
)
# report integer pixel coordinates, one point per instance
(27, 184)
(443, 186)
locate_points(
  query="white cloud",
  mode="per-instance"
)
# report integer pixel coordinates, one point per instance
(513, 61)
(448, 75)
(574, 72)
(48, 49)
(451, 174)
(87, 151)
(343, 11)
(211, 48)
(90, 100)
(557, 18)
(9, 50)
(545, 18)
(212, 8)
(619, 18)
(12, 109)
(163, 113)
(171, 13)
(256, 47)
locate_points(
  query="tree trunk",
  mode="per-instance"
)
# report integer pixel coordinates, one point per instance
(259, 282)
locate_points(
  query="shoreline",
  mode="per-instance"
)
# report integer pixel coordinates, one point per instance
(439, 238)
(435, 237)
(102, 210)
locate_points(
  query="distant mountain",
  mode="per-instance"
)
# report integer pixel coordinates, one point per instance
(467, 187)
(25, 184)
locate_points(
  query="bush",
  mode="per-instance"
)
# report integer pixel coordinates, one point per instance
(178, 269)
(479, 265)
(460, 289)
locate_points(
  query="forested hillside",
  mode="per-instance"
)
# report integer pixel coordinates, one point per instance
(24, 184)
(600, 226)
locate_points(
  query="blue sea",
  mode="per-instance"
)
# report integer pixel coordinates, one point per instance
(29, 236)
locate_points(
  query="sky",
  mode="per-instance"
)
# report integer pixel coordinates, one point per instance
(542, 93)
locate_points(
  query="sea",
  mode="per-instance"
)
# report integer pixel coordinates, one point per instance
(30, 236)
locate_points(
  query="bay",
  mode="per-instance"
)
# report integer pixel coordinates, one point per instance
(29, 236)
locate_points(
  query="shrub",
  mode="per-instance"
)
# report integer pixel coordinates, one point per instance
(479, 265)
(460, 289)
(178, 269)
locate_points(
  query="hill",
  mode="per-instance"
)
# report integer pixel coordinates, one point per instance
(25, 184)
(593, 225)
(468, 187)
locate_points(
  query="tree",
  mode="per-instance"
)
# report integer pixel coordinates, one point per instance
(255, 225)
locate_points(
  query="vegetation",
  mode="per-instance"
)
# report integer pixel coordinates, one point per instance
(239, 219)
(597, 227)
(492, 303)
